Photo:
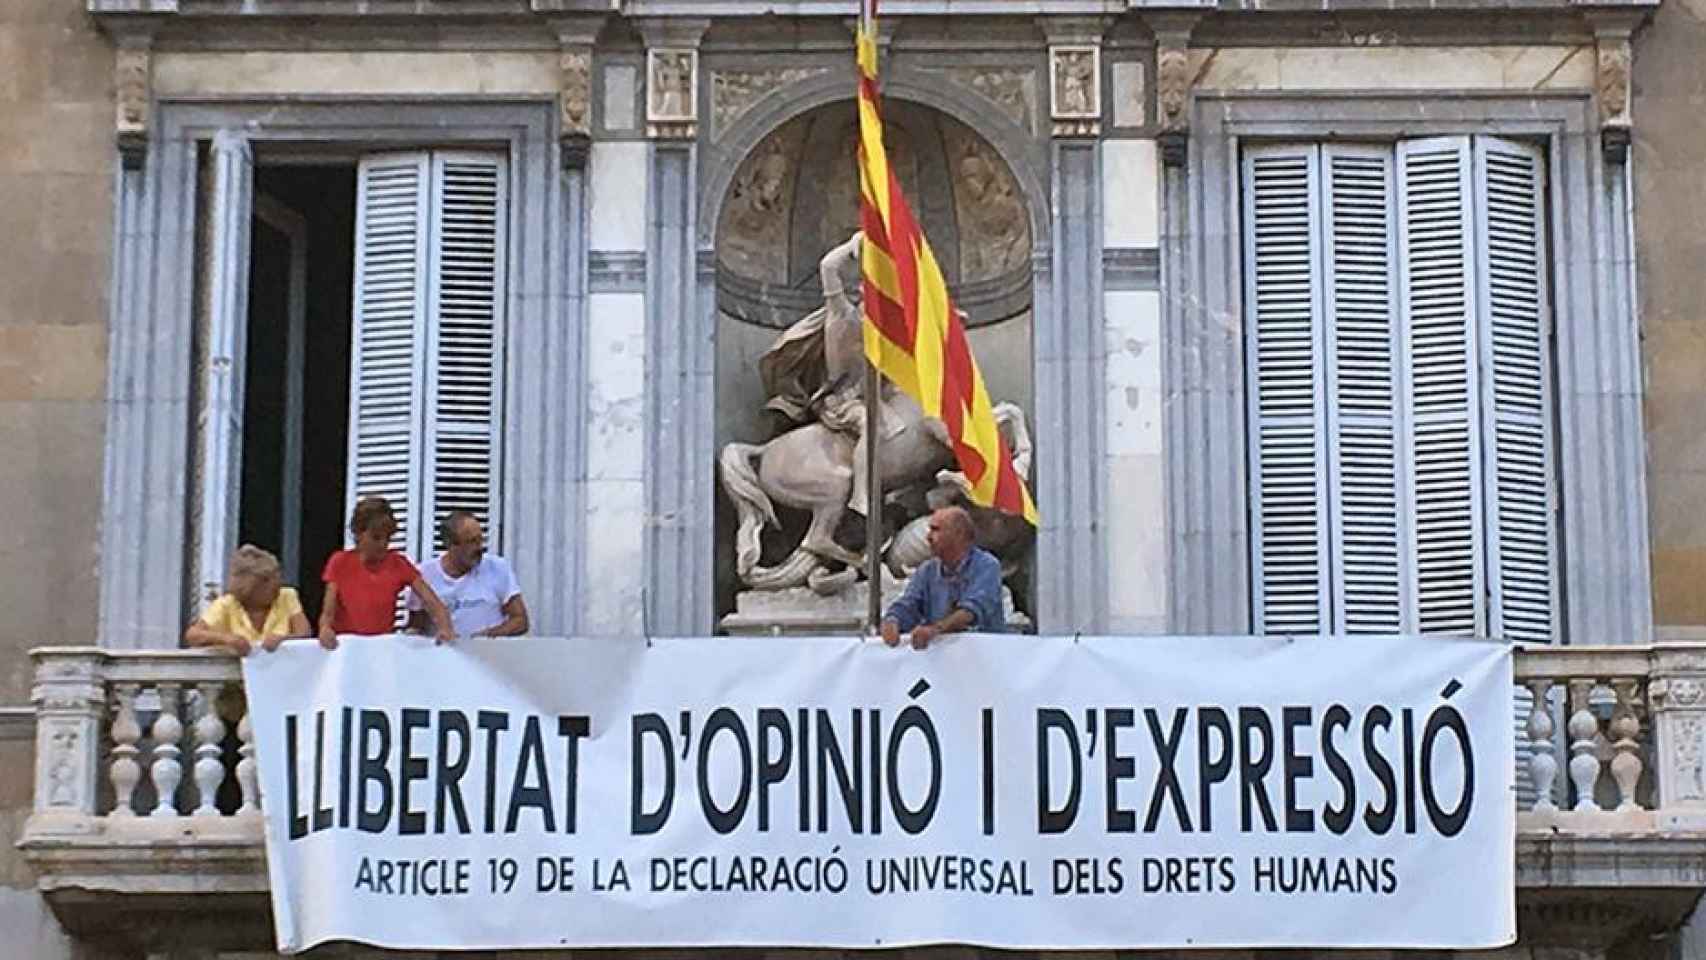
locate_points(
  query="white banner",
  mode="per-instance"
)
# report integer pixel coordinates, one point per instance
(1021, 792)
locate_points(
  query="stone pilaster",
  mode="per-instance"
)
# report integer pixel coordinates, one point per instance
(1677, 695)
(69, 698)
(680, 357)
(1071, 353)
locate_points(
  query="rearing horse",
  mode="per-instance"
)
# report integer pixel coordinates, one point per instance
(820, 467)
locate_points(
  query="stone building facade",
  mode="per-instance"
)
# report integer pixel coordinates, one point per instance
(194, 190)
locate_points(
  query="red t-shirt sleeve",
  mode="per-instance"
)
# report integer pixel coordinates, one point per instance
(334, 567)
(400, 568)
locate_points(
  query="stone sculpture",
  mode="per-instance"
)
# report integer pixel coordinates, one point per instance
(814, 376)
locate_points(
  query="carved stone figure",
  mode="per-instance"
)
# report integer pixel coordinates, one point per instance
(1613, 80)
(131, 80)
(575, 96)
(814, 376)
(1173, 86)
(1075, 82)
(754, 235)
(671, 87)
(995, 234)
(1000, 533)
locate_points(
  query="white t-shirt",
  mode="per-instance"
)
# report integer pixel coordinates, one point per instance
(476, 598)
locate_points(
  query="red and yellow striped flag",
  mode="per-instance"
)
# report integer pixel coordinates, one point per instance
(913, 334)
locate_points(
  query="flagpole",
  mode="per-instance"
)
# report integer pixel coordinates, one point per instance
(873, 500)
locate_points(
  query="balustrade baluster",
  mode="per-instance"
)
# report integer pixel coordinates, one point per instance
(1542, 762)
(167, 770)
(209, 735)
(1625, 732)
(124, 770)
(1583, 730)
(246, 778)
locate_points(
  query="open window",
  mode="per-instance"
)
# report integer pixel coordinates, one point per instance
(352, 318)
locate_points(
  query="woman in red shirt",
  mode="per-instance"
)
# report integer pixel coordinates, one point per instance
(362, 583)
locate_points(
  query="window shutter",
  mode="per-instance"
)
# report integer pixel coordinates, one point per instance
(387, 408)
(1438, 322)
(1364, 412)
(465, 371)
(1516, 431)
(1285, 367)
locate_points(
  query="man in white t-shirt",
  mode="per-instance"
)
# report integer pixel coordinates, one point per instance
(480, 590)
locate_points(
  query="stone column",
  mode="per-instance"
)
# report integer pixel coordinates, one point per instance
(679, 356)
(1072, 570)
(70, 699)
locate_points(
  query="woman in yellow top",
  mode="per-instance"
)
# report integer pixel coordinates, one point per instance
(255, 608)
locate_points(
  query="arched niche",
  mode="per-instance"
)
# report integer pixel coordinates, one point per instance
(794, 195)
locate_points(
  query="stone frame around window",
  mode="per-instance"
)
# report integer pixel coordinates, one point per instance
(1605, 588)
(148, 521)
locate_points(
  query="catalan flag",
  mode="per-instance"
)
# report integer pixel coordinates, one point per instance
(913, 334)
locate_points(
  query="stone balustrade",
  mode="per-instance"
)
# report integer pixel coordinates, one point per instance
(142, 757)
(1614, 739)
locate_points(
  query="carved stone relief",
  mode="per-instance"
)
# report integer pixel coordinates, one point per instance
(672, 108)
(62, 768)
(753, 240)
(1013, 90)
(1075, 90)
(995, 232)
(131, 72)
(1689, 762)
(574, 98)
(1613, 82)
(734, 92)
(1173, 86)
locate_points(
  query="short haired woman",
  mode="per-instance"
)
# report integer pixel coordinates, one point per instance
(363, 582)
(254, 609)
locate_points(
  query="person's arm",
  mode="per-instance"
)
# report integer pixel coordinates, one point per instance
(515, 621)
(981, 601)
(435, 607)
(200, 634)
(298, 627)
(328, 614)
(906, 611)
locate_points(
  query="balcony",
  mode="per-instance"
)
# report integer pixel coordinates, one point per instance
(147, 827)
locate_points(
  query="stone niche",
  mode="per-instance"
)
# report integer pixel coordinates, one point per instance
(793, 198)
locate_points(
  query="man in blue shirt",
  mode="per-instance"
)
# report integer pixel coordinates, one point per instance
(958, 589)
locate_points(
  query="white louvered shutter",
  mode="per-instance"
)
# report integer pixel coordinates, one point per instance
(1516, 403)
(426, 359)
(465, 370)
(1283, 350)
(389, 333)
(1364, 401)
(1438, 323)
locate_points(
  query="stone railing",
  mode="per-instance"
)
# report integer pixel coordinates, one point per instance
(146, 756)
(1618, 747)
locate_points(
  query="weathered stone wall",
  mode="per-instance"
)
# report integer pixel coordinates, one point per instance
(1669, 159)
(56, 167)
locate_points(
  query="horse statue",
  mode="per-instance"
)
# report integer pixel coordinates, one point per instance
(814, 374)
